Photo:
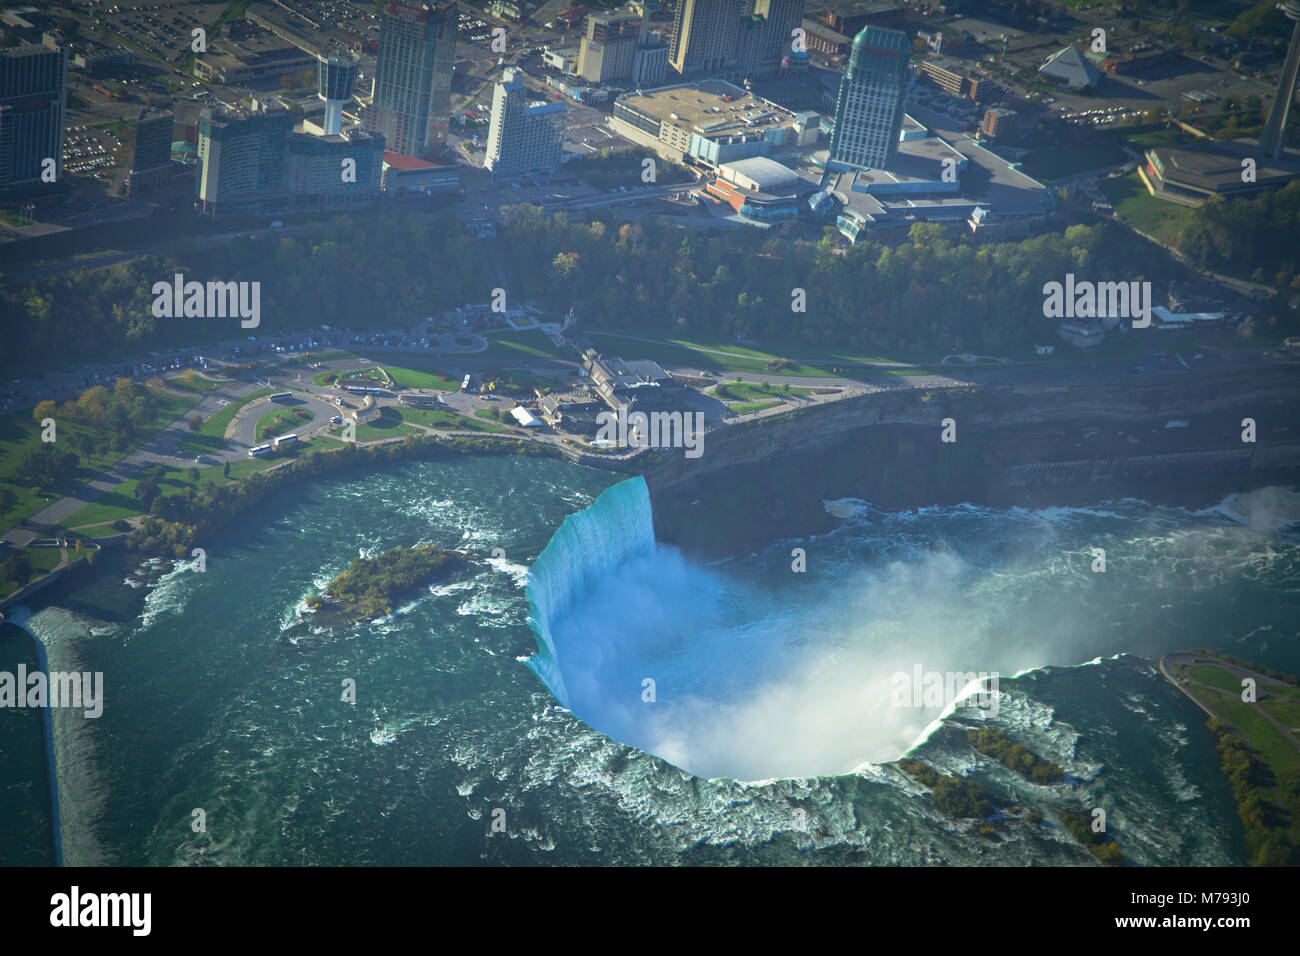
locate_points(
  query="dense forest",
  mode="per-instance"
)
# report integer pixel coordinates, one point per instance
(1258, 794)
(1257, 237)
(930, 293)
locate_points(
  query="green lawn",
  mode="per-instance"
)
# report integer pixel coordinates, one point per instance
(103, 530)
(194, 383)
(1284, 709)
(42, 560)
(436, 418)
(525, 379)
(744, 358)
(19, 434)
(756, 391)
(1162, 136)
(389, 424)
(682, 353)
(1216, 677)
(414, 378)
(368, 374)
(744, 408)
(1050, 164)
(526, 344)
(212, 434)
(1146, 213)
(282, 420)
(121, 502)
(1262, 736)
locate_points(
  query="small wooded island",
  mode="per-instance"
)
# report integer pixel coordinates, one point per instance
(369, 586)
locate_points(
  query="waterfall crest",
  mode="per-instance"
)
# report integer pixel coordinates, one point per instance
(615, 528)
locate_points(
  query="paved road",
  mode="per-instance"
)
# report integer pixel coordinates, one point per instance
(159, 449)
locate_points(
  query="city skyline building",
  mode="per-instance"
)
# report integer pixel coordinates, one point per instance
(411, 102)
(607, 52)
(780, 19)
(151, 160)
(33, 102)
(705, 35)
(522, 139)
(242, 157)
(873, 94)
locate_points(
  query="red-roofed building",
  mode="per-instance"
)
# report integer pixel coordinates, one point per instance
(406, 174)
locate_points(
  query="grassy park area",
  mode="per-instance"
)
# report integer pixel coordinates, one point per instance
(20, 435)
(520, 345)
(1144, 212)
(282, 421)
(414, 378)
(437, 418)
(211, 435)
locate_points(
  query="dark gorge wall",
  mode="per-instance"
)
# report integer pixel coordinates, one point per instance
(1030, 445)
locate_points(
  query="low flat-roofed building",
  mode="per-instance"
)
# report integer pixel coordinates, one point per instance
(851, 16)
(887, 203)
(564, 59)
(245, 62)
(1192, 174)
(711, 121)
(824, 39)
(407, 174)
(1083, 334)
(96, 59)
(758, 173)
(368, 411)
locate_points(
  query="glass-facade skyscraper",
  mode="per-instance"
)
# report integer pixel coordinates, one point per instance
(412, 92)
(33, 82)
(873, 92)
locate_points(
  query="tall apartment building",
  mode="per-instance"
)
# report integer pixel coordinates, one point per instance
(314, 177)
(33, 86)
(608, 50)
(412, 90)
(705, 34)
(650, 66)
(242, 158)
(780, 19)
(151, 161)
(873, 92)
(522, 139)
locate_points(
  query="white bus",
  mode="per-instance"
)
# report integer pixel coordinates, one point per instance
(257, 451)
(464, 386)
(281, 396)
(284, 440)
